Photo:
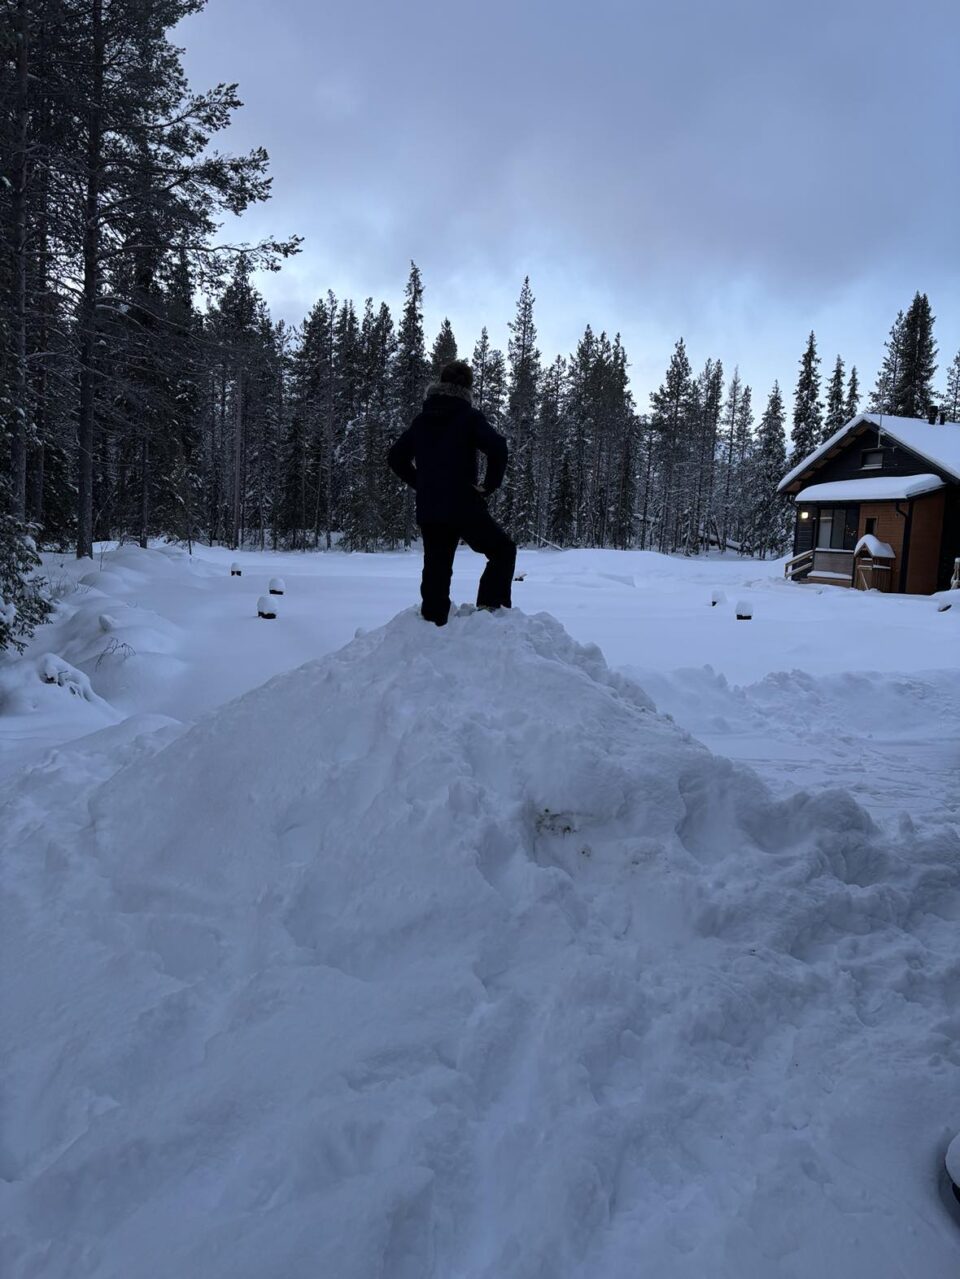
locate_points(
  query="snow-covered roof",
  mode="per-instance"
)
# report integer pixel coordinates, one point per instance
(874, 547)
(879, 488)
(939, 444)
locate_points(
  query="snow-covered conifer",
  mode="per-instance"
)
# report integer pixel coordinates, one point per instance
(913, 393)
(836, 414)
(807, 408)
(444, 349)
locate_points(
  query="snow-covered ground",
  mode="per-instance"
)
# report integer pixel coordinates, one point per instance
(446, 955)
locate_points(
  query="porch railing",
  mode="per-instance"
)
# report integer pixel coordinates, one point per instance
(799, 566)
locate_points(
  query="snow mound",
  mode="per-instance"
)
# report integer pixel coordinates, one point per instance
(446, 955)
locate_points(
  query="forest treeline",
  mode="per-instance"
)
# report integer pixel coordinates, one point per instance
(146, 391)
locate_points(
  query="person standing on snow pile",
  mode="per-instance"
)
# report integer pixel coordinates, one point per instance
(437, 456)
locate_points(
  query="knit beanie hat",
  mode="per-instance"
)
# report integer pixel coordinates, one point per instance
(459, 373)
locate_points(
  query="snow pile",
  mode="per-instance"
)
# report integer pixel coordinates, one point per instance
(446, 955)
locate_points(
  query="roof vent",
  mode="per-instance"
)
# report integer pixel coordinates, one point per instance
(932, 415)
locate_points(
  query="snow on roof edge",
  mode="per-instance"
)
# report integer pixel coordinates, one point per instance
(878, 488)
(888, 424)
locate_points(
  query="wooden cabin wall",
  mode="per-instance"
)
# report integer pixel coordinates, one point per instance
(890, 527)
(926, 528)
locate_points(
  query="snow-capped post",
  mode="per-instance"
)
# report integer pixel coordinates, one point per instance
(236, 570)
(717, 597)
(266, 608)
(744, 611)
(277, 586)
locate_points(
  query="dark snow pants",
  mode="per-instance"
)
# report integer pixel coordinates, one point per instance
(481, 533)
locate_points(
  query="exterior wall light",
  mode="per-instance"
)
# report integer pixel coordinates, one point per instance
(804, 515)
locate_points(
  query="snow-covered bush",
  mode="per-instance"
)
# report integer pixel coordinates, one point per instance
(23, 605)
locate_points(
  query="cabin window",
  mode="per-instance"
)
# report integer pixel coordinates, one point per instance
(871, 460)
(870, 526)
(837, 528)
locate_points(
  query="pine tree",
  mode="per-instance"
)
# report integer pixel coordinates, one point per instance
(851, 405)
(706, 427)
(768, 511)
(807, 408)
(313, 374)
(727, 495)
(913, 392)
(552, 442)
(883, 399)
(444, 350)
(524, 383)
(624, 448)
(671, 406)
(410, 371)
(145, 172)
(836, 414)
(582, 430)
(951, 397)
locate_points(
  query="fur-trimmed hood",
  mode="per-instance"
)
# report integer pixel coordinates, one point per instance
(449, 388)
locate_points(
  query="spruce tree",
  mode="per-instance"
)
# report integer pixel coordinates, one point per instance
(23, 604)
(444, 350)
(836, 414)
(913, 393)
(807, 408)
(480, 364)
(769, 514)
(851, 405)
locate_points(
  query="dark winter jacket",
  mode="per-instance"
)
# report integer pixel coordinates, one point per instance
(437, 455)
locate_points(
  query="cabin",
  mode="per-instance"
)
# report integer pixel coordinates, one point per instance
(878, 506)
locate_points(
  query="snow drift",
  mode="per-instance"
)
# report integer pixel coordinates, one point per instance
(446, 955)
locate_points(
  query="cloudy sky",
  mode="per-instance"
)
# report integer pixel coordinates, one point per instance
(732, 172)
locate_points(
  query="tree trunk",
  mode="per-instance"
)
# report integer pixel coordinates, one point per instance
(144, 488)
(237, 460)
(86, 425)
(21, 409)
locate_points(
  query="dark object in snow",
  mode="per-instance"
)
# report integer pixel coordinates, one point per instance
(266, 608)
(943, 606)
(277, 586)
(953, 1165)
(519, 577)
(716, 597)
(744, 611)
(236, 571)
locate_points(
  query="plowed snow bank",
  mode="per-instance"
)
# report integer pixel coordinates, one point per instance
(447, 956)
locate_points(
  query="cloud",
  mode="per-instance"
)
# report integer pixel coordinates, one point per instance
(737, 172)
